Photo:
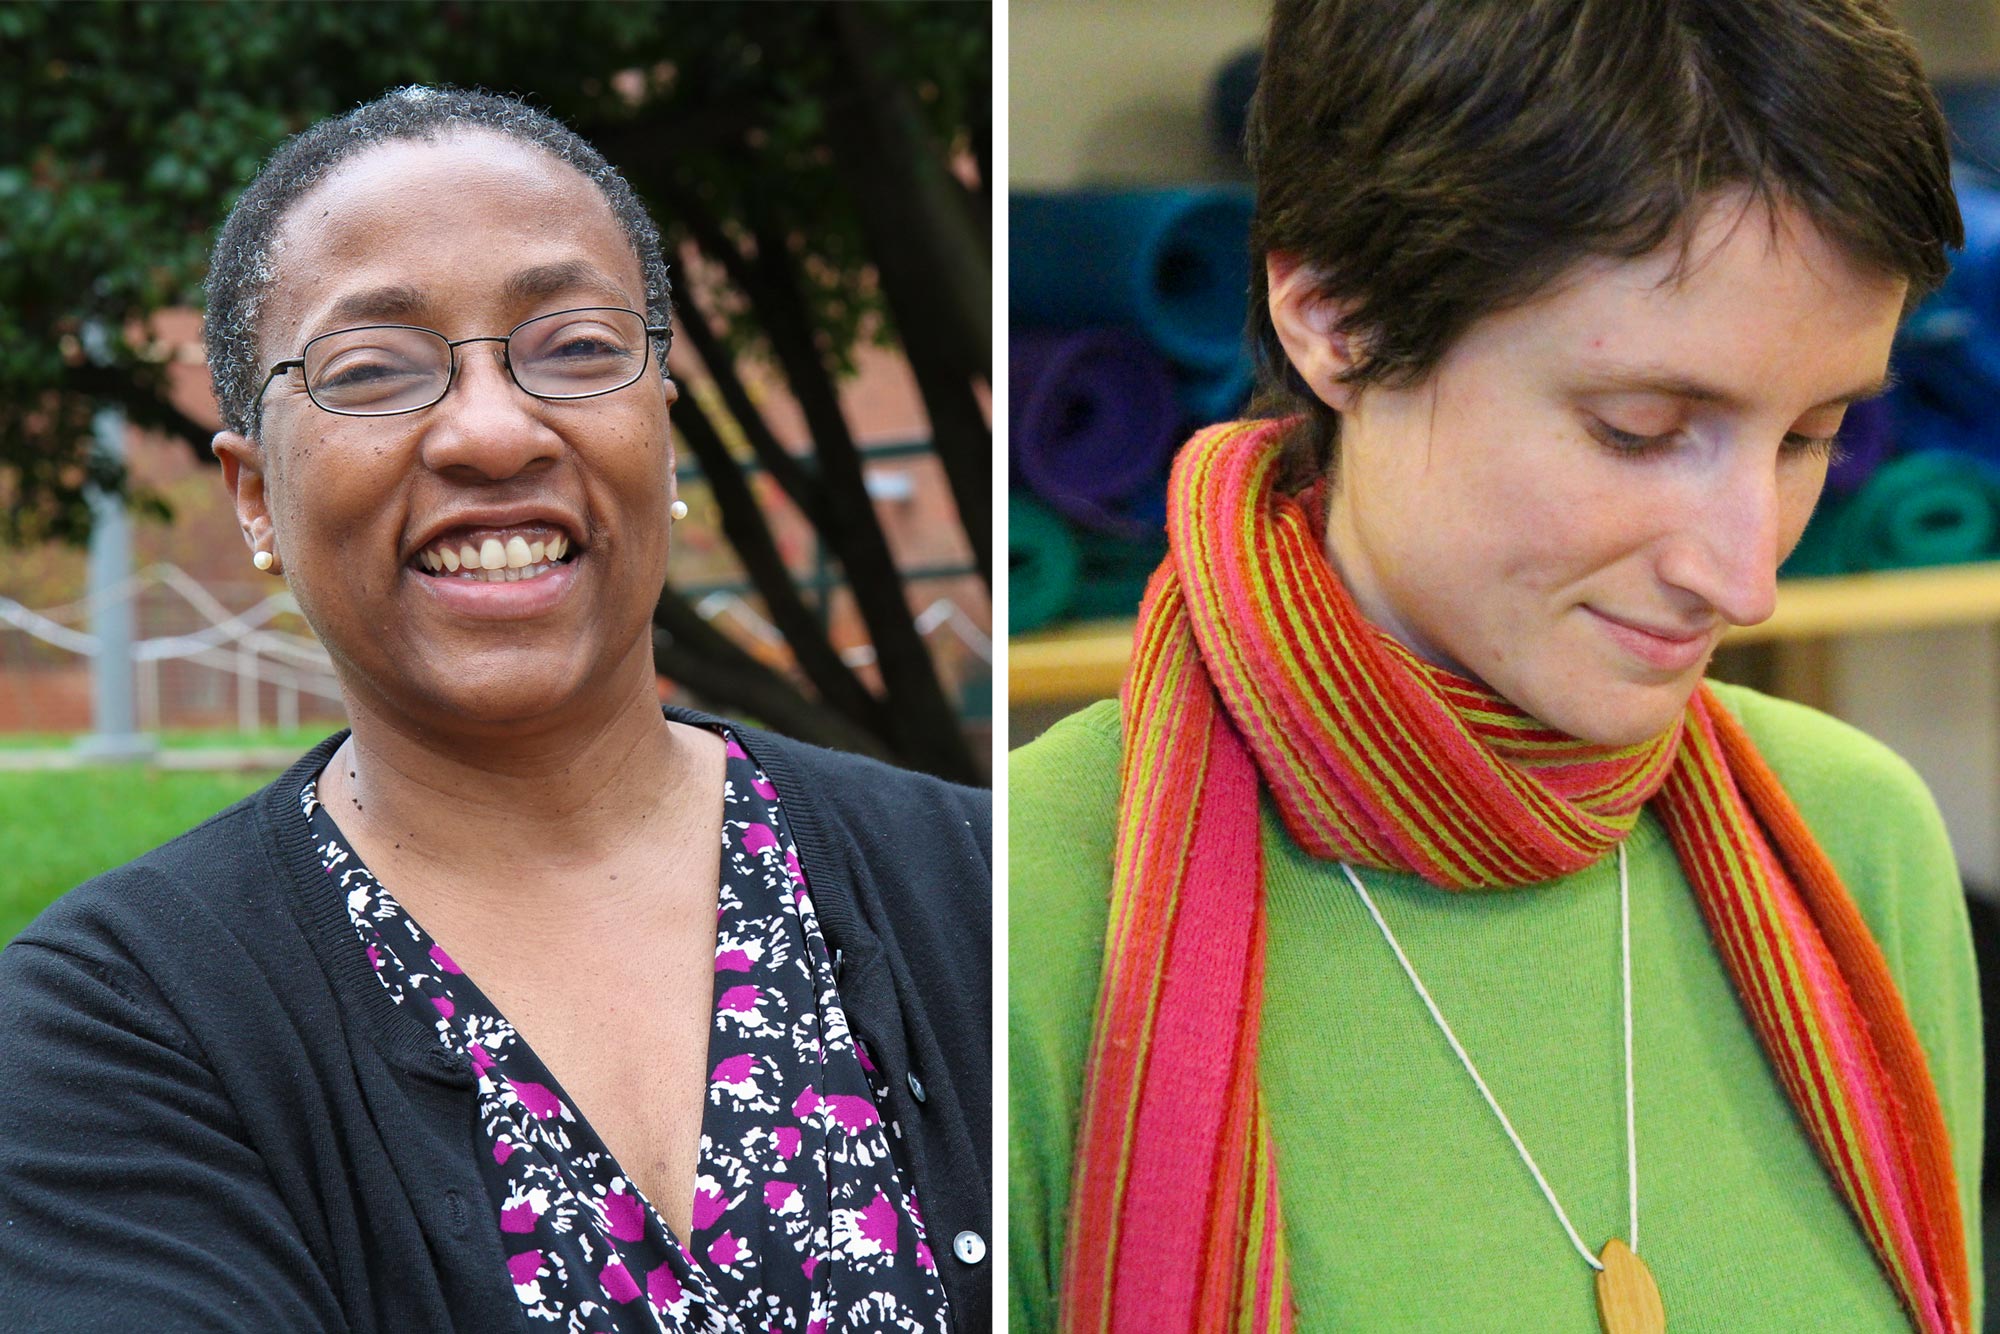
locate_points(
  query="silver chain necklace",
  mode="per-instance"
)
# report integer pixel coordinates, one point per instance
(1628, 1302)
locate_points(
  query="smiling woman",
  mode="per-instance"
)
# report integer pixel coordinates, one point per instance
(1561, 304)
(522, 1000)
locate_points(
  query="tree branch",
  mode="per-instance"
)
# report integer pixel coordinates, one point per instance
(935, 268)
(696, 655)
(743, 524)
(144, 405)
(786, 470)
(924, 724)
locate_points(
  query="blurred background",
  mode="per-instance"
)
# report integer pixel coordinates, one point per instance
(821, 177)
(1129, 204)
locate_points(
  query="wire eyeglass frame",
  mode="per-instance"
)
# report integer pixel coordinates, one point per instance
(298, 363)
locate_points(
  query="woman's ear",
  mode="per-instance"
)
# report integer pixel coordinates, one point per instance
(243, 475)
(1311, 327)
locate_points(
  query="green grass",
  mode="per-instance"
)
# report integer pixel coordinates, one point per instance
(300, 739)
(60, 827)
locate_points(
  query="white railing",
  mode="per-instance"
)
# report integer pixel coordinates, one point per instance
(238, 644)
(943, 614)
(235, 643)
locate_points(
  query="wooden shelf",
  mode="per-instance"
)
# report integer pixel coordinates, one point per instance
(1087, 660)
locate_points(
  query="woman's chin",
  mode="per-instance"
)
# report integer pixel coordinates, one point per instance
(497, 688)
(1621, 714)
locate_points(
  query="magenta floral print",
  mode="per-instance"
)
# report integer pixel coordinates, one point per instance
(801, 1218)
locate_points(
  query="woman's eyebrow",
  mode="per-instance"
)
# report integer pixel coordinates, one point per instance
(1642, 380)
(399, 302)
(544, 280)
(393, 302)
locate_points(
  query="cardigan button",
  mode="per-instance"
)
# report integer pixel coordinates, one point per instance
(917, 1092)
(969, 1247)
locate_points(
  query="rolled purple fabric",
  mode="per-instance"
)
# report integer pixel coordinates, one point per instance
(1865, 445)
(1091, 419)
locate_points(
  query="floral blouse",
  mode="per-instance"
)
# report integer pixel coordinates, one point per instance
(802, 1221)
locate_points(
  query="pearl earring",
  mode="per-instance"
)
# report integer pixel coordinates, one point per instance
(263, 560)
(679, 509)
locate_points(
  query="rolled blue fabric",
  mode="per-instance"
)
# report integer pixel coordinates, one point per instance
(1229, 94)
(1922, 425)
(1214, 396)
(1091, 419)
(1173, 264)
(1865, 437)
(1948, 353)
(1972, 108)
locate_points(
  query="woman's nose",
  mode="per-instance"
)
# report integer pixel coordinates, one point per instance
(1726, 550)
(486, 423)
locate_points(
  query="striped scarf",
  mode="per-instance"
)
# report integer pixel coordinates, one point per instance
(1252, 667)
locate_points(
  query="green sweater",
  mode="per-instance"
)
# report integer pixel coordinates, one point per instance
(1406, 1208)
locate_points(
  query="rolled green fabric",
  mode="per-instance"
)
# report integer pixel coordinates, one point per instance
(1819, 551)
(1114, 574)
(1043, 564)
(1928, 508)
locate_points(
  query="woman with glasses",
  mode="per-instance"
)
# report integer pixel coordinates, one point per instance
(523, 1004)
(1422, 943)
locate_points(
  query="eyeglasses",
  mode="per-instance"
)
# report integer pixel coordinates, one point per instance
(382, 370)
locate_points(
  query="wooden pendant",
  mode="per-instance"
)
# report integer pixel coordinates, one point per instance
(1627, 1300)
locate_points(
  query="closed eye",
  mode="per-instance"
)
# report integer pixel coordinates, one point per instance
(1630, 445)
(1821, 446)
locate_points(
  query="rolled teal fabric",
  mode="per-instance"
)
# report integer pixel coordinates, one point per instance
(1174, 264)
(1935, 507)
(1931, 508)
(1043, 565)
(1207, 397)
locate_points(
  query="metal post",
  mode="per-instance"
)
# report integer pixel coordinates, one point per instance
(115, 737)
(247, 681)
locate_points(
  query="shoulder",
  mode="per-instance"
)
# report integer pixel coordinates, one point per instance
(1830, 767)
(890, 853)
(1864, 803)
(156, 895)
(124, 972)
(1880, 826)
(199, 919)
(860, 792)
(1062, 812)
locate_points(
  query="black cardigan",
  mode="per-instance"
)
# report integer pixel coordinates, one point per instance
(213, 1117)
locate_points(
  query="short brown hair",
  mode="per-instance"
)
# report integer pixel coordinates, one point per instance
(1436, 161)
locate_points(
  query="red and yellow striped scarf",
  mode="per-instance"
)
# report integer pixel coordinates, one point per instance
(1254, 669)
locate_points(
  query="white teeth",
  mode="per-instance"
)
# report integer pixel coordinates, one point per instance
(502, 558)
(504, 576)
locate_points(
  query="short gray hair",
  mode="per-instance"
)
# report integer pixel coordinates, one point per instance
(241, 271)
